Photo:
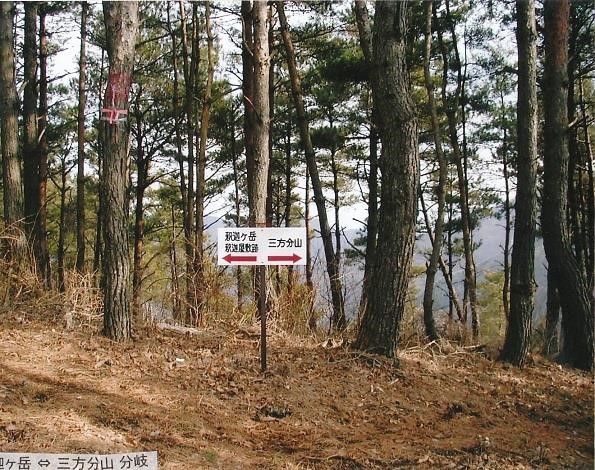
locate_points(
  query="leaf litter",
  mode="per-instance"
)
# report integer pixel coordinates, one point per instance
(199, 400)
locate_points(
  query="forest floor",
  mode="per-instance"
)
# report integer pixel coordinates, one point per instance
(200, 402)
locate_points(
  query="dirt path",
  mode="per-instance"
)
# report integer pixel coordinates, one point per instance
(201, 403)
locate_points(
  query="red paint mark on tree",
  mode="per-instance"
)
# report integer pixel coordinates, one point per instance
(115, 101)
(113, 115)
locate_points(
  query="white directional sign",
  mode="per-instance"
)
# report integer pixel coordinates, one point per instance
(261, 246)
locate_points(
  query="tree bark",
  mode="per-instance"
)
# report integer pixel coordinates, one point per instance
(338, 317)
(236, 187)
(176, 302)
(190, 68)
(262, 118)
(336, 207)
(30, 145)
(261, 157)
(518, 331)
(142, 173)
(365, 39)
(288, 193)
(507, 212)
(80, 176)
(453, 298)
(399, 166)
(577, 301)
(270, 212)
(575, 187)
(372, 223)
(121, 25)
(309, 268)
(428, 301)
(452, 105)
(173, 260)
(11, 165)
(248, 90)
(202, 165)
(61, 249)
(589, 211)
(98, 248)
(43, 254)
(552, 316)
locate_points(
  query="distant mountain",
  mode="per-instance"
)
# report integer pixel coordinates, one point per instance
(488, 258)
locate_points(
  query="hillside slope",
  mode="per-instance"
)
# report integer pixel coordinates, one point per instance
(200, 401)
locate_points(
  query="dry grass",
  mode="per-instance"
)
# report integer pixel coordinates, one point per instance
(82, 302)
(200, 401)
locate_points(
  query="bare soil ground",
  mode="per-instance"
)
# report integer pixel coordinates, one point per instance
(201, 402)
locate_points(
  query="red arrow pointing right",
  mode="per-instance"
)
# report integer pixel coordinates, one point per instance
(291, 258)
(231, 258)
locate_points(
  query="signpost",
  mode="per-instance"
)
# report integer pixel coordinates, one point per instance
(261, 246)
(256, 246)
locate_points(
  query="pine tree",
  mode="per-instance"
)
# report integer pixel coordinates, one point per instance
(121, 25)
(399, 164)
(11, 162)
(575, 298)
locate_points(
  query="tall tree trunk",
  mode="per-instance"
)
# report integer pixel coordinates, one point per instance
(11, 166)
(173, 260)
(261, 110)
(80, 176)
(452, 293)
(121, 26)
(449, 250)
(440, 189)
(30, 144)
(202, 165)
(399, 166)
(248, 90)
(142, 173)
(98, 247)
(236, 187)
(338, 318)
(372, 224)
(507, 215)
(261, 157)
(518, 331)
(190, 68)
(574, 154)
(271, 84)
(507, 229)
(577, 301)
(61, 250)
(288, 198)
(552, 316)
(176, 108)
(248, 95)
(589, 211)
(176, 302)
(336, 207)
(365, 39)
(452, 105)
(309, 268)
(41, 220)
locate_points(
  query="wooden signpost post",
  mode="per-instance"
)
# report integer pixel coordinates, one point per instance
(255, 246)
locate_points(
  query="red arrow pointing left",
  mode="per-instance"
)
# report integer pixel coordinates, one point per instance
(291, 258)
(231, 258)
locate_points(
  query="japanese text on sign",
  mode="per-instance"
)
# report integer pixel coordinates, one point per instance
(28, 461)
(261, 246)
